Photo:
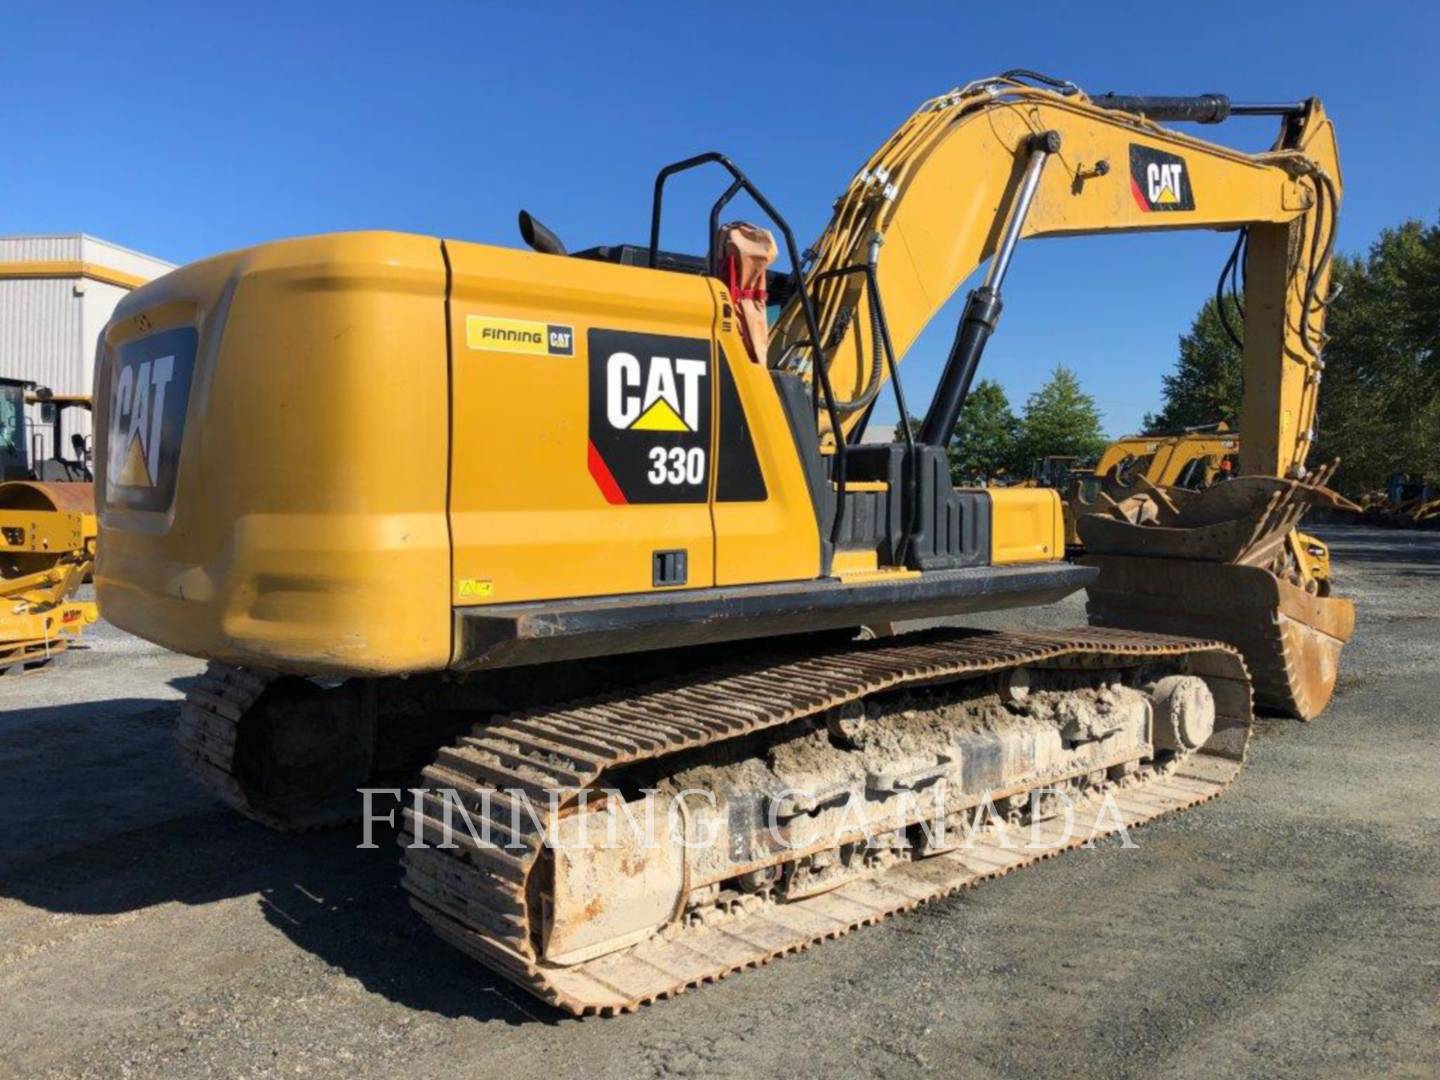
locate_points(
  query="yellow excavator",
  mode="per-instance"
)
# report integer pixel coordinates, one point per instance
(1407, 501)
(619, 581)
(1191, 459)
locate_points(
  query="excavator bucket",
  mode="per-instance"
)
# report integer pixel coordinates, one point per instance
(1220, 563)
(1291, 639)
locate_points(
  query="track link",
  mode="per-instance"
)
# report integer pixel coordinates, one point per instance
(477, 898)
(207, 738)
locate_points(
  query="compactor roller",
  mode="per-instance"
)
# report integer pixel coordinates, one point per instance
(47, 551)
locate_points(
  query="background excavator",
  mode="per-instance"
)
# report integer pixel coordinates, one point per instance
(1407, 501)
(1191, 459)
(628, 553)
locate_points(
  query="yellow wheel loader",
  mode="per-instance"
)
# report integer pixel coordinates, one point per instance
(47, 534)
(618, 585)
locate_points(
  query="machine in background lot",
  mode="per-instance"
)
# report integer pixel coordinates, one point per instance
(1189, 459)
(612, 477)
(47, 532)
(1407, 501)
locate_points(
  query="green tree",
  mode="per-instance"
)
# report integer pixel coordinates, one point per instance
(1205, 386)
(1380, 397)
(1379, 407)
(987, 436)
(1060, 418)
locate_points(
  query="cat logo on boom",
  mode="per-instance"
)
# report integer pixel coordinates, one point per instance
(1159, 181)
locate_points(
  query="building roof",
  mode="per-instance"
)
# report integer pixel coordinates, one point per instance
(76, 255)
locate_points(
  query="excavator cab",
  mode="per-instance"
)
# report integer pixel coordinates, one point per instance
(57, 468)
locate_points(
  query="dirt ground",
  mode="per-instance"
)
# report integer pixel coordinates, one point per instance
(1289, 928)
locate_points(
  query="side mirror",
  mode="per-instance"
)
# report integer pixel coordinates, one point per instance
(48, 412)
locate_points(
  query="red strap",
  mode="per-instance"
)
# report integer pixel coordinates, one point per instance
(732, 265)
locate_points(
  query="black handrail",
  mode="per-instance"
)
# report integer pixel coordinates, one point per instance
(711, 255)
(912, 460)
(821, 375)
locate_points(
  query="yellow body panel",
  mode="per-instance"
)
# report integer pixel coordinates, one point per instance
(1027, 525)
(777, 539)
(322, 477)
(527, 514)
(45, 532)
(308, 526)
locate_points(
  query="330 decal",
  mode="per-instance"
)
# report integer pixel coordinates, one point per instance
(649, 417)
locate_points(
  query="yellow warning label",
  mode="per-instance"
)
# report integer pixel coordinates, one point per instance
(476, 588)
(660, 416)
(493, 334)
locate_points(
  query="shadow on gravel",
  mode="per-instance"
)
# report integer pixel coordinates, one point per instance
(102, 819)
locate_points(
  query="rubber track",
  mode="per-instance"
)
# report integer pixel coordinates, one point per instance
(474, 896)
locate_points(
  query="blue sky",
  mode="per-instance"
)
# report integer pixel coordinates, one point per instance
(187, 129)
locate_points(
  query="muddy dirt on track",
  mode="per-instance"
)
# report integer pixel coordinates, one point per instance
(1290, 928)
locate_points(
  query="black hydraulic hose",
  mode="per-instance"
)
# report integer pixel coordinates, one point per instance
(1237, 275)
(866, 397)
(1065, 86)
(1326, 185)
(1227, 272)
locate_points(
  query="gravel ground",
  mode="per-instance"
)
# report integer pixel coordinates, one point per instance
(1289, 928)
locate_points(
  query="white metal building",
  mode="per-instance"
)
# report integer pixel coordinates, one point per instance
(56, 294)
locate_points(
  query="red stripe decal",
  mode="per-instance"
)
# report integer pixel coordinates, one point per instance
(604, 479)
(1139, 196)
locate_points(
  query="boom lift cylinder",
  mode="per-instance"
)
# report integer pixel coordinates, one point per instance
(982, 308)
